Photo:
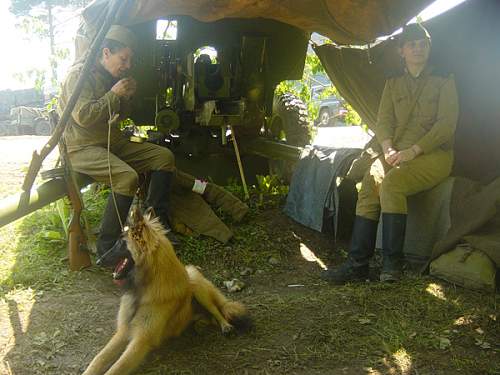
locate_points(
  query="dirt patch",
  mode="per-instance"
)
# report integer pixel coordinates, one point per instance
(16, 156)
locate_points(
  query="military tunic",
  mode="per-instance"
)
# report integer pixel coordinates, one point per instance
(431, 126)
(86, 135)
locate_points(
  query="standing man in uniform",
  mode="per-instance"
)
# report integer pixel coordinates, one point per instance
(416, 123)
(93, 127)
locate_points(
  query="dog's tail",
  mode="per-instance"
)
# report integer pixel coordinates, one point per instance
(236, 314)
(212, 299)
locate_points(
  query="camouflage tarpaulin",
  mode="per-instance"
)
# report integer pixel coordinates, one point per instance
(344, 21)
(463, 44)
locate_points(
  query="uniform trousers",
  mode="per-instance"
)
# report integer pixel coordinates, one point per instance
(385, 189)
(127, 160)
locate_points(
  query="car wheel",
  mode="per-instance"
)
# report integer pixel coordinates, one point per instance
(324, 117)
(42, 127)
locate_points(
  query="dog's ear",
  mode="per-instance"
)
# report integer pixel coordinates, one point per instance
(149, 213)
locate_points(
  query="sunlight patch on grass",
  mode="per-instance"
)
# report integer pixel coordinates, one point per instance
(31, 258)
(436, 290)
(309, 255)
(403, 360)
(462, 321)
(8, 244)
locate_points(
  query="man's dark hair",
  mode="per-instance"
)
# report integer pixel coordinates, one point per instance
(113, 45)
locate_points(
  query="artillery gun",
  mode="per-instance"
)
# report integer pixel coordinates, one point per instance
(204, 84)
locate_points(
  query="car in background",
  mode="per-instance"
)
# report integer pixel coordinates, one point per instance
(331, 112)
(331, 109)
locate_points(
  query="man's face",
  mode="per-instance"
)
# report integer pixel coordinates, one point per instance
(415, 52)
(118, 63)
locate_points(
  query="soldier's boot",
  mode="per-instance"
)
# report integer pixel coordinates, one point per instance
(111, 248)
(160, 190)
(393, 237)
(356, 268)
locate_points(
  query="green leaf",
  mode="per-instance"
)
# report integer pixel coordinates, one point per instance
(52, 235)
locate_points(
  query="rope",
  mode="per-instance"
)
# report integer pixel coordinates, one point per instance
(112, 119)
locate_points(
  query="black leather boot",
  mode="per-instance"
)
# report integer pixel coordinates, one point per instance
(356, 267)
(393, 239)
(110, 247)
(160, 188)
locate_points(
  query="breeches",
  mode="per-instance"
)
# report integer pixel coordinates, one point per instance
(127, 160)
(385, 188)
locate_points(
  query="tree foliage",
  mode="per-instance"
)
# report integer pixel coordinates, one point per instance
(36, 77)
(302, 89)
(35, 18)
(24, 7)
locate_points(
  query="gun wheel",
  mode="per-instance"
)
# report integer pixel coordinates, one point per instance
(289, 121)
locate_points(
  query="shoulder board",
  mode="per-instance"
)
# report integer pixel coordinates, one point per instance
(394, 73)
(441, 71)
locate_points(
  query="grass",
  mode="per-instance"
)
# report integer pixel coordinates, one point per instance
(34, 249)
(419, 326)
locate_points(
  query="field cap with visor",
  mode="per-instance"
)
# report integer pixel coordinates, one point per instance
(124, 36)
(413, 32)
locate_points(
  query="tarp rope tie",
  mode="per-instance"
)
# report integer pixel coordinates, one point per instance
(112, 119)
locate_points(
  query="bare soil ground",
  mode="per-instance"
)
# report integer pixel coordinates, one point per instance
(15, 158)
(53, 321)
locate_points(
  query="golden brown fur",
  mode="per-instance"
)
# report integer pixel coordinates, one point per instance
(159, 305)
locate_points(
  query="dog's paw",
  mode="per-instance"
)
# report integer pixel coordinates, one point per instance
(227, 330)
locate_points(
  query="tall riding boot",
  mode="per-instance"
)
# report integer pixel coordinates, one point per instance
(110, 231)
(160, 189)
(393, 239)
(361, 250)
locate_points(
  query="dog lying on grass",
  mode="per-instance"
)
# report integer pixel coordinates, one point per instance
(162, 298)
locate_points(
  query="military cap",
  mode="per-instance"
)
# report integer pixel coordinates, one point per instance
(123, 35)
(413, 32)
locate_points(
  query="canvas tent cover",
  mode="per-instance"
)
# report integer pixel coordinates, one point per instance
(343, 21)
(465, 43)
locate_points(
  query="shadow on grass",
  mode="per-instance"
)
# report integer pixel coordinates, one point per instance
(55, 321)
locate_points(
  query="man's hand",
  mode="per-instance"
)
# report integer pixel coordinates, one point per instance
(125, 88)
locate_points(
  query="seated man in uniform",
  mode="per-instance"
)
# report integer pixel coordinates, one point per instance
(107, 95)
(415, 126)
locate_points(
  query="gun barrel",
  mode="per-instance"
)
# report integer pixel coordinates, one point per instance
(17, 206)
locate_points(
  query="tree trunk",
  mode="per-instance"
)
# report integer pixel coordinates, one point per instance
(53, 64)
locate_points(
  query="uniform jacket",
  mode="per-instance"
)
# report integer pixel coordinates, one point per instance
(88, 124)
(434, 117)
